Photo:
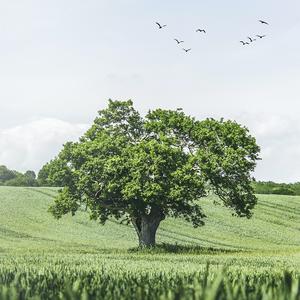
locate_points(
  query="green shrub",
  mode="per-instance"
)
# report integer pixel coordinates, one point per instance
(282, 190)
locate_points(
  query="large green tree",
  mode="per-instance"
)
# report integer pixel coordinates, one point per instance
(143, 170)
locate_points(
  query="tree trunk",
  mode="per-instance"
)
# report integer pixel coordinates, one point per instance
(146, 227)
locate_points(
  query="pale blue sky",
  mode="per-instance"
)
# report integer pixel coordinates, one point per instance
(61, 61)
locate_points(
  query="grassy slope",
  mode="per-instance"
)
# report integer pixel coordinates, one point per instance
(41, 255)
(25, 225)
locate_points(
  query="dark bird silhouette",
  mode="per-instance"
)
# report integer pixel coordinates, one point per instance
(251, 39)
(178, 42)
(261, 36)
(244, 43)
(263, 22)
(201, 30)
(160, 26)
(187, 50)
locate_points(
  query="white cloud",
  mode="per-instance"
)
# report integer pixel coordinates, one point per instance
(30, 145)
(279, 138)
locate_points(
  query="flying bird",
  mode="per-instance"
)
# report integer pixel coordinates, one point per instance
(263, 22)
(261, 36)
(201, 30)
(160, 26)
(187, 50)
(178, 42)
(244, 43)
(251, 39)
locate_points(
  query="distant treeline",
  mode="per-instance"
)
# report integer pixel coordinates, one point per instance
(269, 187)
(15, 178)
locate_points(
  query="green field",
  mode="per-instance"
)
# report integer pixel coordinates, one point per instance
(75, 258)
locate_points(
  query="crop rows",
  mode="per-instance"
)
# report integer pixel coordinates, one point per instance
(114, 277)
(102, 285)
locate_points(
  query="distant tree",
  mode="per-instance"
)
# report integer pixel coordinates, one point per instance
(14, 178)
(6, 174)
(22, 180)
(296, 188)
(143, 170)
(283, 190)
(30, 174)
(270, 187)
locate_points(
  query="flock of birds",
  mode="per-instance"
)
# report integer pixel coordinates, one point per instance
(251, 39)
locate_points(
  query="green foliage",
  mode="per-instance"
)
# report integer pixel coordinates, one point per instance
(43, 176)
(30, 174)
(6, 174)
(57, 172)
(131, 168)
(14, 178)
(270, 187)
(283, 191)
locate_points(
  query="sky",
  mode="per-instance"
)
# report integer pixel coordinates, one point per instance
(62, 60)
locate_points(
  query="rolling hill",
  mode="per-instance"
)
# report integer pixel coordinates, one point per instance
(25, 225)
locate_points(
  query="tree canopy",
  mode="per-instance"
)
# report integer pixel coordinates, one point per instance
(144, 169)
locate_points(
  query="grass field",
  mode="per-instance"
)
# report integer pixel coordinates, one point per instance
(75, 258)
